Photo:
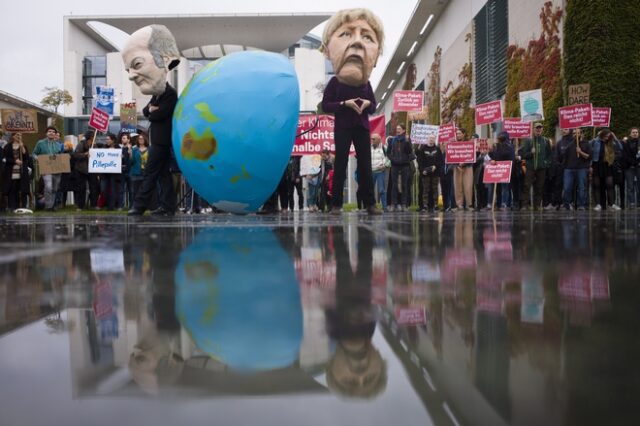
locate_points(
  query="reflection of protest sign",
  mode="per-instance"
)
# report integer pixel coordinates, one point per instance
(411, 315)
(54, 164)
(601, 117)
(128, 117)
(447, 133)
(310, 164)
(420, 133)
(575, 116)
(531, 105)
(488, 113)
(408, 100)
(500, 172)
(105, 160)
(20, 120)
(99, 120)
(578, 94)
(104, 98)
(463, 152)
(107, 260)
(517, 128)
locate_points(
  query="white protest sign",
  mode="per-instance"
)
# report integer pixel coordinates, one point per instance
(420, 133)
(105, 160)
(531, 108)
(107, 260)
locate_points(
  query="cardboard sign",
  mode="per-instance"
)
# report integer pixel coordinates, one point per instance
(20, 120)
(601, 117)
(463, 152)
(447, 133)
(408, 100)
(488, 113)
(575, 116)
(531, 108)
(128, 117)
(99, 120)
(105, 160)
(517, 128)
(578, 94)
(411, 315)
(420, 133)
(500, 172)
(54, 164)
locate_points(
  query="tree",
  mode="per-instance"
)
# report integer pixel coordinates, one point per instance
(56, 97)
(602, 48)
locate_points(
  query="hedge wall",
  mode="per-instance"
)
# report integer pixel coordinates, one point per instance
(602, 48)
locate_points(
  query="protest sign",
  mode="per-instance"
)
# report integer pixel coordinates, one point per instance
(575, 116)
(106, 260)
(104, 98)
(377, 126)
(408, 100)
(447, 133)
(601, 117)
(420, 133)
(310, 164)
(500, 172)
(488, 113)
(99, 120)
(482, 144)
(128, 117)
(578, 94)
(54, 164)
(20, 120)
(531, 108)
(517, 128)
(105, 160)
(411, 315)
(463, 152)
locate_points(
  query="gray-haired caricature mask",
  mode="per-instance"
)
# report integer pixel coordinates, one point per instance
(148, 56)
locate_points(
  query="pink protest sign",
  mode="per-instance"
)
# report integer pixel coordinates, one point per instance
(517, 128)
(488, 113)
(408, 100)
(447, 133)
(601, 117)
(575, 116)
(99, 120)
(500, 172)
(411, 315)
(463, 152)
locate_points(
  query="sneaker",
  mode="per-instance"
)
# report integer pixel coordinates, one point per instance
(581, 208)
(615, 207)
(597, 208)
(453, 209)
(550, 207)
(389, 209)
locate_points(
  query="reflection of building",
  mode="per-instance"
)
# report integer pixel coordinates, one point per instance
(92, 59)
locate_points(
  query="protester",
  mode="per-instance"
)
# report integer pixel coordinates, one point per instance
(400, 152)
(430, 163)
(446, 183)
(483, 191)
(111, 183)
(352, 40)
(16, 175)
(326, 166)
(463, 178)
(503, 150)
(575, 155)
(67, 180)
(379, 169)
(49, 146)
(294, 183)
(605, 149)
(536, 152)
(138, 161)
(631, 164)
(126, 197)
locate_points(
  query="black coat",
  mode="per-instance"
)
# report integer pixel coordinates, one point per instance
(27, 162)
(160, 119)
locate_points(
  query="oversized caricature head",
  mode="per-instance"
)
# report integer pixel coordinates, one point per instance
(353, 40)
(150, 53)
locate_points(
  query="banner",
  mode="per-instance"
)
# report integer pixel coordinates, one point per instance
(128, 117)
(578, 94)
(99, 120)
(54, 164)
(575, 116)
(20, 120)
(531, 108)
(447, 133)
(601, 116)
(104, 98)
(420, 133)
(105, 160)
(517, 128)
(408, 100)
(463, 152)
(488, 113)
(500, 172)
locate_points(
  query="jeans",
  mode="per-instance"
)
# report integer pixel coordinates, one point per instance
(312, 194)
(633, 188)
(400, 174)
(51, 184)
(571, 177)
(379, 184)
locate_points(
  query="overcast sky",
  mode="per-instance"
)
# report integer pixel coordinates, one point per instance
(31, 54)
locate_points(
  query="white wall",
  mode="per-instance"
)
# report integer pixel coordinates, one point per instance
(310, 69)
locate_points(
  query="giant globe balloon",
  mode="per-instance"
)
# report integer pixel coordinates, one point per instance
(238, 298)
(234, 128)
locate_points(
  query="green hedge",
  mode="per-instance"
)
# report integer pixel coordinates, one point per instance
(602, 48)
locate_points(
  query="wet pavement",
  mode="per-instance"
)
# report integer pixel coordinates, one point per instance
(302, 319)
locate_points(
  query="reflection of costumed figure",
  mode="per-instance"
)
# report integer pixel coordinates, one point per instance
(352, 40)
(148, 56)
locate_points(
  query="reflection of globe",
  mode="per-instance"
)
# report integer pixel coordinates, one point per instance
(238, 297)
(530, 106)
(234, 128)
